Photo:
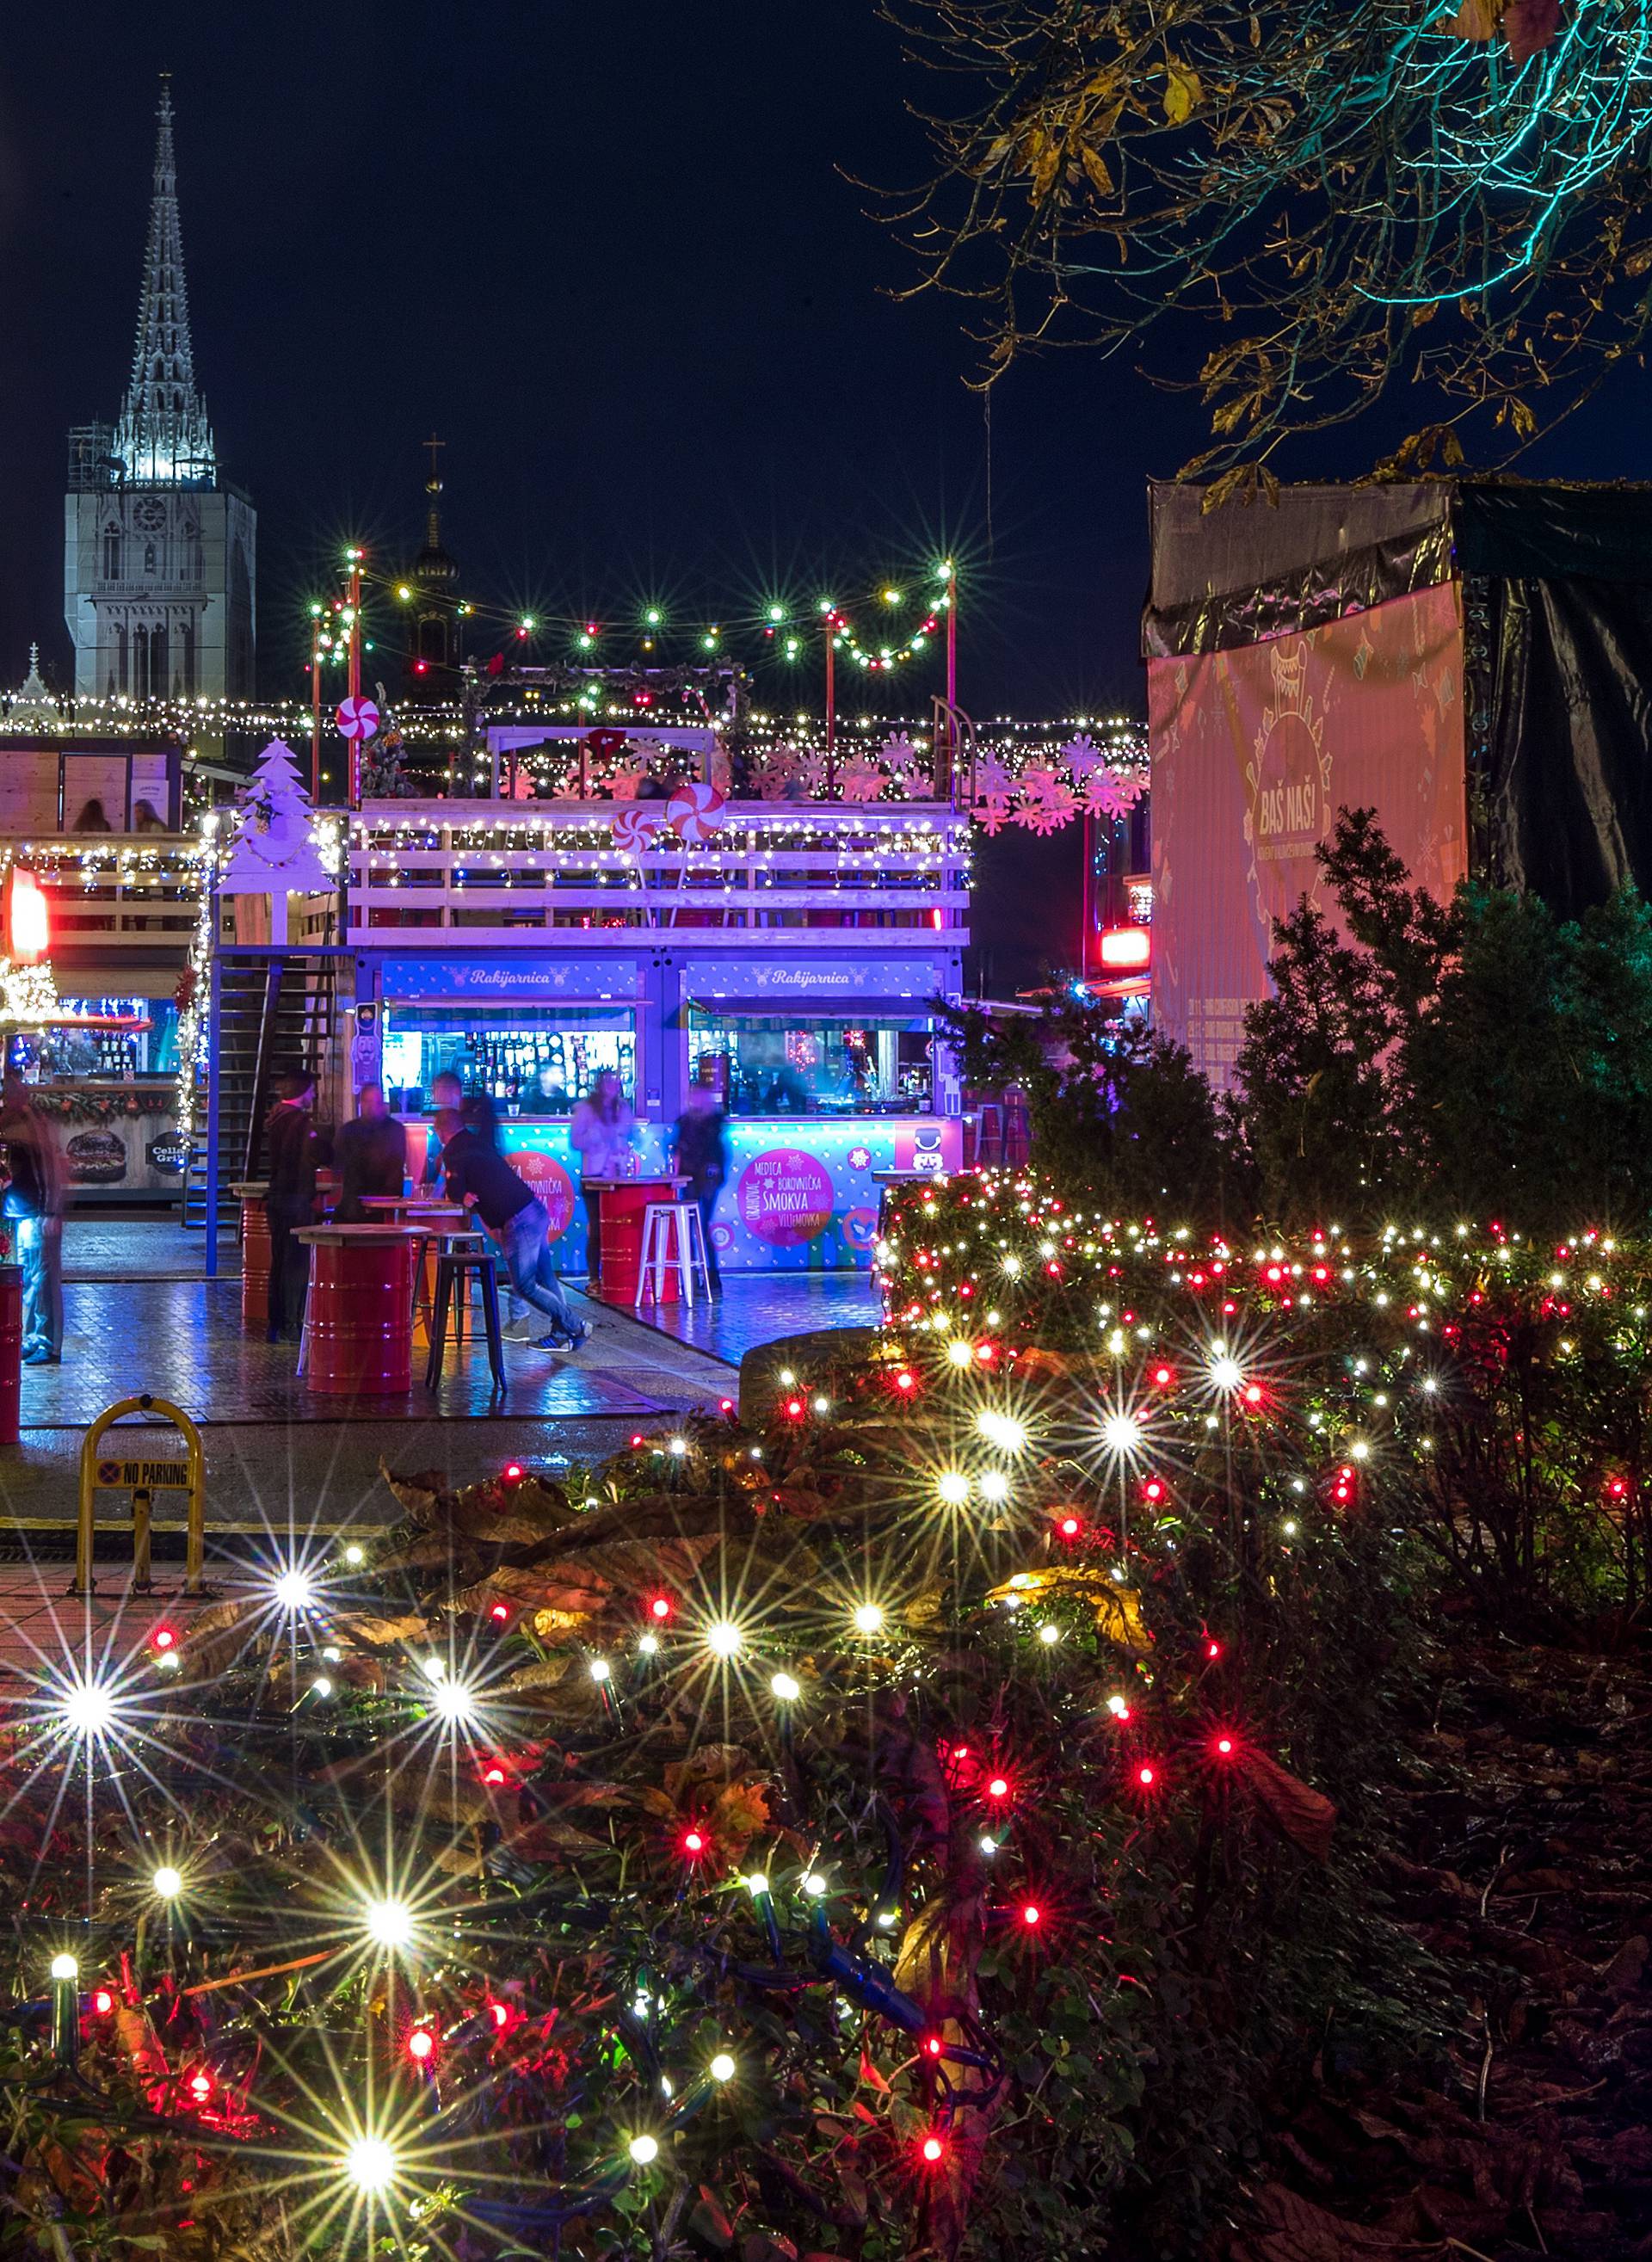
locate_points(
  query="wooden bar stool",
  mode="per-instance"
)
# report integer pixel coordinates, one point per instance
(672, 1243)
(454, 1270)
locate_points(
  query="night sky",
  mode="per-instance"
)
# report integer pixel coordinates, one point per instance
(610, 253)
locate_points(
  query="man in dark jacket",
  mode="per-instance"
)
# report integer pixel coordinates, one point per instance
(476, 1174)
(294, 1149)
(370, 1152)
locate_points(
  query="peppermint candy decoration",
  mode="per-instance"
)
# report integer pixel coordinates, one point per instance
(692, 810)
(634, 827)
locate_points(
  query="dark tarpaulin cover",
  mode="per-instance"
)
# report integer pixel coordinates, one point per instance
(1559, 655)
(1251, 570)
(1567, 806)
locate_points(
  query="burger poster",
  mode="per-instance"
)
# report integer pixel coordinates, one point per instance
(140, 1151)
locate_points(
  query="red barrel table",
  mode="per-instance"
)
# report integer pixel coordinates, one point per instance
(621, 1203)
(359, 1318)
(254, 1257)
(11, 1353)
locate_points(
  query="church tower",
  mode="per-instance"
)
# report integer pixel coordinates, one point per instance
(159, 552)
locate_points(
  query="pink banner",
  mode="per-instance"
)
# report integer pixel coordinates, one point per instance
(1254, 752)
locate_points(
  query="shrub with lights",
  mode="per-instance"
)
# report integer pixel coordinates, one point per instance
(923, 1815)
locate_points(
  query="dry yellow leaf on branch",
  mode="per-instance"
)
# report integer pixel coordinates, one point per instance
(1118, 1610)
(1184, 92)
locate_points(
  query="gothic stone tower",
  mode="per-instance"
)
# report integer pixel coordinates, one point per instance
(159, 551)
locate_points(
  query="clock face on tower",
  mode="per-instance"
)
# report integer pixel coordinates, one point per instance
(149, 517)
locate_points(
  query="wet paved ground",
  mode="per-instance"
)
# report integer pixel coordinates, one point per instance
(284, 1466)
(755, 1307)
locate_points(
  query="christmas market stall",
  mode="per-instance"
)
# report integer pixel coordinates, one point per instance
(655, 920)
(106, 898)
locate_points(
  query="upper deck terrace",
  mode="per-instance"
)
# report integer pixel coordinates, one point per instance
(503, 872)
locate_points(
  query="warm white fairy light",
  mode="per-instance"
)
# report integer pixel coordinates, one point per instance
(1002, 1430)
(389, 1923)
(167, 1881)
(371, 2164)
(786, 1687)
(952, 1488)
(643, 2148)
(294, 1588)
(868, 1618)
(454, 1702)
(88, 1708)
(724, 1638)
(1121, 1435)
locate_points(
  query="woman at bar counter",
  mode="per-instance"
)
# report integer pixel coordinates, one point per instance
(602, 1134)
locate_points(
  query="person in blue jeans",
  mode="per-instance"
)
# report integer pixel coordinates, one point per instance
(477, 1175)
(34, 1211)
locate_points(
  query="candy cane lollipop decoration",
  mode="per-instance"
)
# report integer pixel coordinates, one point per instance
(691, 811)
(634, 828)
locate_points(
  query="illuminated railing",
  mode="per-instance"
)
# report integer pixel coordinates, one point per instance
(842, 870)
(122, 891)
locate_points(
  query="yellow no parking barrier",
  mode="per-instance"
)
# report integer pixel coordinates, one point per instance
(108, 1471)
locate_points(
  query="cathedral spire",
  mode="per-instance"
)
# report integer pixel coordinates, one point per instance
(163, 438)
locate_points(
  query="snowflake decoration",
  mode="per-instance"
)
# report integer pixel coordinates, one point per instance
(860, 779)
(992, 779)
(991, 814)
(623, 781)
(1083, 756)
(859, 1158)
(1047, 802)
(901, 759)
(780, 766)
(1111, 792)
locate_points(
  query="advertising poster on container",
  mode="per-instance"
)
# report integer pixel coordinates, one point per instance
(1254, 752)
(803, 1199)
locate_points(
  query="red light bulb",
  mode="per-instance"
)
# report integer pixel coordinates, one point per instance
(200, 2086)
(500, 2015)
(694, 1843)
(500, 1613)
(725, 1406)
(103, 2002)
(660, 1608)
(637, 1439)
(794, 1407)
(931, 2045)
(999, 1787)
(934, 2150)
(1146, 1775)
(1032, 1916)
(1153, 1489)
(905, 1379)
(513, 1473)
(1253, 1393)
(495, 1774)
(1070, 1527)
(163, 1638)
(1163, 1377)
(1224, 1748)
(1212, 1650)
